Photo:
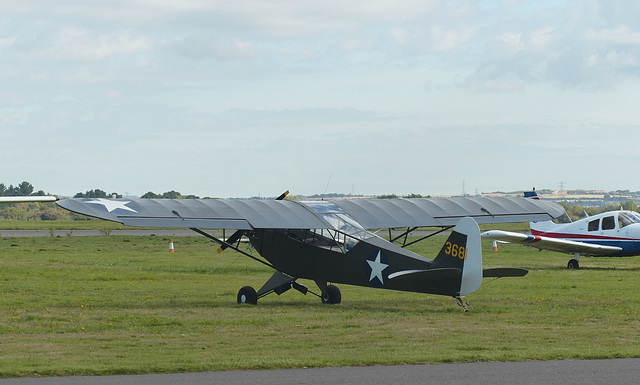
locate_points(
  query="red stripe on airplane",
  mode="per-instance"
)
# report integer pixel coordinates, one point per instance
(578, 236)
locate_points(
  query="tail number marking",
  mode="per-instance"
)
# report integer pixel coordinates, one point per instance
(455, 251)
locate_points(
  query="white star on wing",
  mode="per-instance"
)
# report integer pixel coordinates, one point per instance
(376, 268)
(111, 205)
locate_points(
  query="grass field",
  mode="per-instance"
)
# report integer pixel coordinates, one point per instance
(121, 304)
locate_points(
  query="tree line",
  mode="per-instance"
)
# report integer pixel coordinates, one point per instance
(50, 211)
(576, 211)
(23, 189)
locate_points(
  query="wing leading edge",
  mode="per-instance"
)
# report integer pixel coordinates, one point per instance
(27, 199)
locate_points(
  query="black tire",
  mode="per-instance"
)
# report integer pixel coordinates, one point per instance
(573, 265)
(248, 295)
(332, 296)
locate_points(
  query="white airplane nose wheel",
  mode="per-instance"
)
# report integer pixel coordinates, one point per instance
(573, 264)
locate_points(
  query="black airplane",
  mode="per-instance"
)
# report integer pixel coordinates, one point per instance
(329, 242)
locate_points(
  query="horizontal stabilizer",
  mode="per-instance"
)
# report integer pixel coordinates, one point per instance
(504, 272)
(444, 273)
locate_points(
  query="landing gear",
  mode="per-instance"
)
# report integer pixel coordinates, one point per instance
(280, 283)
(573, 264)
(248, 295)
(332, 295)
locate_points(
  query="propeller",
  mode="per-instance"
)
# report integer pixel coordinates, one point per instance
(235, 237)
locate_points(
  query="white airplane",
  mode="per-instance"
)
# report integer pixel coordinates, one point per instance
(608, 234)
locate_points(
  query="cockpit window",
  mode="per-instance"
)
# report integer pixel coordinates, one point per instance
(339, 220)
(594, 225)
(626, 218)
(608, 223)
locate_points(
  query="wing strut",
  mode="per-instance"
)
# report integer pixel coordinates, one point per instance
(232, 247)
(406, 234)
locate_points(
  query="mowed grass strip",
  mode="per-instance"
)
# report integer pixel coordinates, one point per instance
(124, 304)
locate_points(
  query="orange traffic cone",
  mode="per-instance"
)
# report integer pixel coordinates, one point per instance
(171, 250)
(495, 246)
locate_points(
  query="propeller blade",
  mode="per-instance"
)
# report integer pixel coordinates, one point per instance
(231, 240)
(283, 195)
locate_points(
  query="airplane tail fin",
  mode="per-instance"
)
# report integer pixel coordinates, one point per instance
(542, 227)
(462, 250)
(532, 194)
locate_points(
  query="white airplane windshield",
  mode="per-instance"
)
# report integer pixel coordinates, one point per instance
(626, 218)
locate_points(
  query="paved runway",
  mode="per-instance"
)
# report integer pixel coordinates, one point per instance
(568, 372)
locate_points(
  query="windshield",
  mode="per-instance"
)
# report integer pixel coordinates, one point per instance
(625, 218)
(339, 220)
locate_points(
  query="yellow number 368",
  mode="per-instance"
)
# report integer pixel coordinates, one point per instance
(455, 250)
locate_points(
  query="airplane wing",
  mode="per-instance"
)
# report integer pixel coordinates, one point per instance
(369, 213)
(25, 199)
(553, 244)
(437, 212)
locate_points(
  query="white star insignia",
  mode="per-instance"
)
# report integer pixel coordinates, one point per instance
(376, 268)
(111, 205)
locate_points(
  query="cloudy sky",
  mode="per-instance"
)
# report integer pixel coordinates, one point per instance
(243, 98)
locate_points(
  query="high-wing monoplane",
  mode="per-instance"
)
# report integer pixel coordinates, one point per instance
(329, 242)
(609, 234)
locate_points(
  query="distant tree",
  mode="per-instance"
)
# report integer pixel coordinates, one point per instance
(24, 188)
(168, 195)
(387, 196)
(630, 205)
(413, 196)
(97, 193)
(150, 195)
(171, 195)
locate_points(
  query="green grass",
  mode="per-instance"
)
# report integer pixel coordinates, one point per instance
(121, 304)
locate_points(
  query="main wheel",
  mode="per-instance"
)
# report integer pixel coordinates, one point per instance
(332, 296)
(247, 295)
(573, 264)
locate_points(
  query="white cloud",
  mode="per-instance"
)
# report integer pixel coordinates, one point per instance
(619, 35)
(335, 87)
(444, 39)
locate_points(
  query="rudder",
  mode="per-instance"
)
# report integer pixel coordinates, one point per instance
(462, 250)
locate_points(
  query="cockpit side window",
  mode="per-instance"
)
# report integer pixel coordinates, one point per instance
(608, 223)
(594, 225)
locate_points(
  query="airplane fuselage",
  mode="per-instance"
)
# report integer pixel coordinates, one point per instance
(370, 263)
(614, 228)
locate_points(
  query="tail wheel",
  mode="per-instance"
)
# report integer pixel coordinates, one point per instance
(247, 295)
(332, 295)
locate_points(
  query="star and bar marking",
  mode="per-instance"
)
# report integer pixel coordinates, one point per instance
(376, 268)
(111, 205)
